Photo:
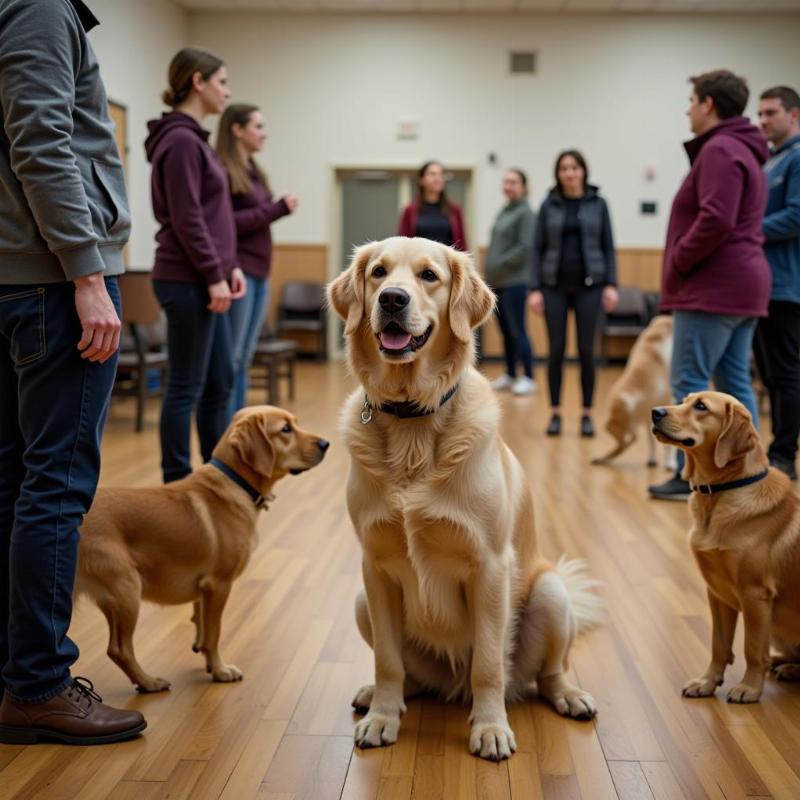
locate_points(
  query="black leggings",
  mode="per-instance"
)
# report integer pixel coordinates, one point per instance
(587, 303)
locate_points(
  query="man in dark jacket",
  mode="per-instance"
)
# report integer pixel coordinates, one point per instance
(63, 223)
(716, 279)
(778, 336)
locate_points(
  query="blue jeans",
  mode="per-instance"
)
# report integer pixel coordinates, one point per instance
(53, 406)
(511, 303)
(247, 318)
(714, 346)
(200, 375)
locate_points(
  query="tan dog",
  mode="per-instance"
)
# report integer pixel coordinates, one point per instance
(745, 538)
(187, 542)
(643, 384)
(457, 598)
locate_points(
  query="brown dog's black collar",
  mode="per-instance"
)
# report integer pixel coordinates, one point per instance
(256, 496)
(405, 410)
(713, 488)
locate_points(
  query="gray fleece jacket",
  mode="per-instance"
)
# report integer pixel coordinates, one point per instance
(63, 207)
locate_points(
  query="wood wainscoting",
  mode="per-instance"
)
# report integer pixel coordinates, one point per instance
(636, 266)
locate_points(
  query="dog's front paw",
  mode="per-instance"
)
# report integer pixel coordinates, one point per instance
(492, 740)
(787, 672)
(701, 687)
(363, 699)
(576, 703)
(227, 674)
(152, 685)
(744, 694)
(377, 730)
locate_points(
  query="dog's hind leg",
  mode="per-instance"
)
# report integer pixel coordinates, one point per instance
(785, 664)
(197, 618)
(621, 447)
(547, 628)
(215, 595)
(121, 609)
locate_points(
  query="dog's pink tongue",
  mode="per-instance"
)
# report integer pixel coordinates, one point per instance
(395, 340)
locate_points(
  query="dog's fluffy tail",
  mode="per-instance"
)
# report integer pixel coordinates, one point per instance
(587, 605)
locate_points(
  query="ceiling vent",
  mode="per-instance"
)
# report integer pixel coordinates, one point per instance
(522, 63)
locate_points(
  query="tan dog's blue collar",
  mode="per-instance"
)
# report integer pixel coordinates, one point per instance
(405, 410)
(259, 499)
(713, 488)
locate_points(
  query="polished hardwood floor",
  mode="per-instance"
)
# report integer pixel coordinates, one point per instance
(285, 732)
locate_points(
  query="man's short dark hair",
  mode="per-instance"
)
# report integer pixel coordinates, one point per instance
(728, 91)
(785, 94)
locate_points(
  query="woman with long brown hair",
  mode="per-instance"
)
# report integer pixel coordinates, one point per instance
(241, 134)
(195, 275)
(433, 215)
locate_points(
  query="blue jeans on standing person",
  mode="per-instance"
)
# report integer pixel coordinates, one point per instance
(511, 304)
(53, 407)
(247, 319)
(714, 346)
(200, 375)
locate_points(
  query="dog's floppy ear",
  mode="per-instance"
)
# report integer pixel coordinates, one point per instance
(250, 441)
(737, 437)
(346, 293)
(471, 300)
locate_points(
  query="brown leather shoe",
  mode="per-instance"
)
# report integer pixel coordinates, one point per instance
(75, 716)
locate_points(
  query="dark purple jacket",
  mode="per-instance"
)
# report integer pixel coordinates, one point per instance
(253, 213)
(714, 260)
(191, 202)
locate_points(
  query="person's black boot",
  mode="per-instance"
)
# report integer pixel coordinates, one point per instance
(554, 428)
(784, 466)
(676, 488)
(587, 428)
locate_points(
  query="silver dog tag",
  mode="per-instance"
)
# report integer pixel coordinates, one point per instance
(366, 413)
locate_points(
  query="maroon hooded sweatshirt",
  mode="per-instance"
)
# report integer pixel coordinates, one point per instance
(191, 202)
(714, 260)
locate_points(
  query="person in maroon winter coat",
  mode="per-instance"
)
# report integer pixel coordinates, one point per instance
(241, 134)
(195, 275)
(716, 279)
(432, 215)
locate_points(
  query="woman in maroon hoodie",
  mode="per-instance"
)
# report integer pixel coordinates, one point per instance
(195, 275)
(432, 215)
(241, 134)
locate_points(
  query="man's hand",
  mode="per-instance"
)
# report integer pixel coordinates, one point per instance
(238, 284)
(220, 294)
(291, 202)
(99, 320)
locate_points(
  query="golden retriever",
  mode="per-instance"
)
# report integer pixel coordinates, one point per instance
(457, 598)
(189, 540)
(643, 384)
(745, 538)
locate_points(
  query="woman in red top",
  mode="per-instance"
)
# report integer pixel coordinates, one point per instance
(241, 134)
(432, 215)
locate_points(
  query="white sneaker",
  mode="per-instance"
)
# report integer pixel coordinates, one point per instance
(523, 385)
(504, 382)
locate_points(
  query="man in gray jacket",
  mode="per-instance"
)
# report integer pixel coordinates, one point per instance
(63, 223)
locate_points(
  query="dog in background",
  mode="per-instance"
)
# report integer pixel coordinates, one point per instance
(643, 384)
(457, 597)
(187, 542)
(745, 538)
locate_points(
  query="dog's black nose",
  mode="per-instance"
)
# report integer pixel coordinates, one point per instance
(658, 414)
(393, 299)
(323, 444)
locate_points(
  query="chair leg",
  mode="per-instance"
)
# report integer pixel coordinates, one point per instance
(291, 377)
(141, 397)
(272, 384)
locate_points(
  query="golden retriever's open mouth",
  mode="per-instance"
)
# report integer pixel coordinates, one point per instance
(396, 341)
(665, 438)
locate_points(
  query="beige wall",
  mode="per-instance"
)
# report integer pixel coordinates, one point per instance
(334, 88)
(134, 43)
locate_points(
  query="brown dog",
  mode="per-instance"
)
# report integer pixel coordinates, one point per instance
(187, 542)
(457, 597)
(643, 384)
(745, 538)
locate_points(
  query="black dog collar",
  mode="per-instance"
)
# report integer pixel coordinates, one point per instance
(255, 495)
(405, 410)
(713, 488)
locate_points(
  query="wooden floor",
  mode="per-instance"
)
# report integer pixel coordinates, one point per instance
(286, 731)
